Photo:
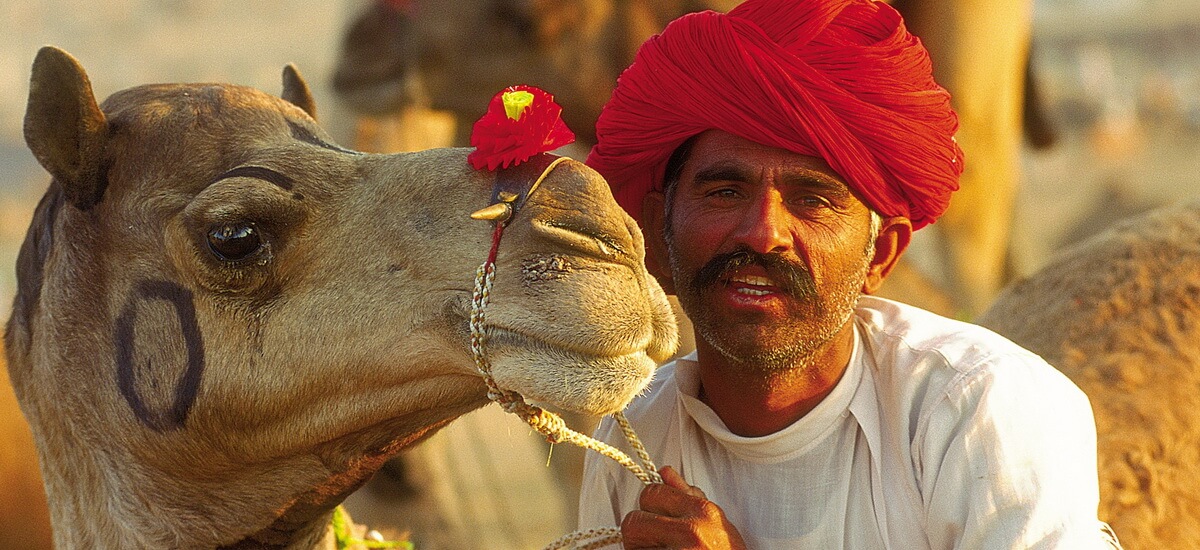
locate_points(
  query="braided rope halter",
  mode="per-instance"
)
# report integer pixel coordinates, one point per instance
(507, 197)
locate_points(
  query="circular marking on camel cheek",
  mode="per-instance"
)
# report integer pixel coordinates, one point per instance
(159, 354)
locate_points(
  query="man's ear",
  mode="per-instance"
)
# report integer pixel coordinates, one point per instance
(894, 235)
(653, 225)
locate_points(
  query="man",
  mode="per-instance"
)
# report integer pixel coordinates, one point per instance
(779, 159)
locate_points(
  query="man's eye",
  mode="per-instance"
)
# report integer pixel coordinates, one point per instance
(723, 193)
(812, 201)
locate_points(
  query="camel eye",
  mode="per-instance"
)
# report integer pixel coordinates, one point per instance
(234, 242)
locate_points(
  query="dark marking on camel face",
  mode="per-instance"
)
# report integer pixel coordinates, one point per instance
(265, 174)
(159, 383)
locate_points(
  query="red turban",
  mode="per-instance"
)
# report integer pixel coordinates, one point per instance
(842, 80)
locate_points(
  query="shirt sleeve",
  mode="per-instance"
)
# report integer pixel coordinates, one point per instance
(1007, 459)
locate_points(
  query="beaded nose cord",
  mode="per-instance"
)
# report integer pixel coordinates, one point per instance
(545, 422)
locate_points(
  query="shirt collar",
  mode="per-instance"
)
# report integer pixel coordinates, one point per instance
(788, 442)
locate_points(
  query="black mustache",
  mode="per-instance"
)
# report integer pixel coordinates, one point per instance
(794, 278)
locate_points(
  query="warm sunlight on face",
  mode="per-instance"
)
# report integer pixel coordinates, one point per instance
(768, 248)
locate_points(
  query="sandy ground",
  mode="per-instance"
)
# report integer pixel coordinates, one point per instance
(1067, 193)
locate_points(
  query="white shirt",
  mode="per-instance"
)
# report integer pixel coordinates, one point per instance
(941, 434)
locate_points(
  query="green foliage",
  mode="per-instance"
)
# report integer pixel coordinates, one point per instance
(346, 540)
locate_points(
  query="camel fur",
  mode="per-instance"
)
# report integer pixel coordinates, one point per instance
(1120, 315)
(225, 323)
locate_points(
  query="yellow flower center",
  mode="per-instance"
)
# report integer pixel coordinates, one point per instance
(516, 102)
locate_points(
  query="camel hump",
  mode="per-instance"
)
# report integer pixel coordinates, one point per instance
(297, 92)
(64, 126)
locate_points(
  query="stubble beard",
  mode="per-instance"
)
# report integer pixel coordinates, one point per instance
(793, 347)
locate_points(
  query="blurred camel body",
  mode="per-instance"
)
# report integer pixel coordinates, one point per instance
(1120, 315)
(424, 72)
(225, 323)
(980, 52)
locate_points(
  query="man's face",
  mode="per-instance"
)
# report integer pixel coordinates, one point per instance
(768, 250)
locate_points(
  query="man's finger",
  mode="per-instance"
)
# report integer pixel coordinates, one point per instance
(672, 478)
(641, 529)
(668, 501)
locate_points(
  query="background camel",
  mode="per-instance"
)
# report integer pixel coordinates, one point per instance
(417, 73)
(980, 52)
(1120, 315)
(225, 323)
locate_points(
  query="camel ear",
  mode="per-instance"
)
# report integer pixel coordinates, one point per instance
(65, 128)
(296, 91)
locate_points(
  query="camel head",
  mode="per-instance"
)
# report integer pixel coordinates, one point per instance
(225, 323)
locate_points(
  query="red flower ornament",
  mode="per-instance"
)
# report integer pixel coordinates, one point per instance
(521, 121)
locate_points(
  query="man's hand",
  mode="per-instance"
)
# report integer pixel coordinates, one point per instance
(676, 515)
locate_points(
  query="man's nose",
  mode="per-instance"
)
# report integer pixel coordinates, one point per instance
(765, 224)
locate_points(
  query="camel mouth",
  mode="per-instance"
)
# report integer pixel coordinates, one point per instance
(588, 382)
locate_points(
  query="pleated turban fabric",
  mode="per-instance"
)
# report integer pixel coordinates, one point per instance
(842, 80)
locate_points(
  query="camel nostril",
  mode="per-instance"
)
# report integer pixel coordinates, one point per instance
(587, 238)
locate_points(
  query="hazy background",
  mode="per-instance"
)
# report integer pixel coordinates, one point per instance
(1121, 79)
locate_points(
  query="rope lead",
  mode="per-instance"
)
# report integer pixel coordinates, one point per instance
(545, 422)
